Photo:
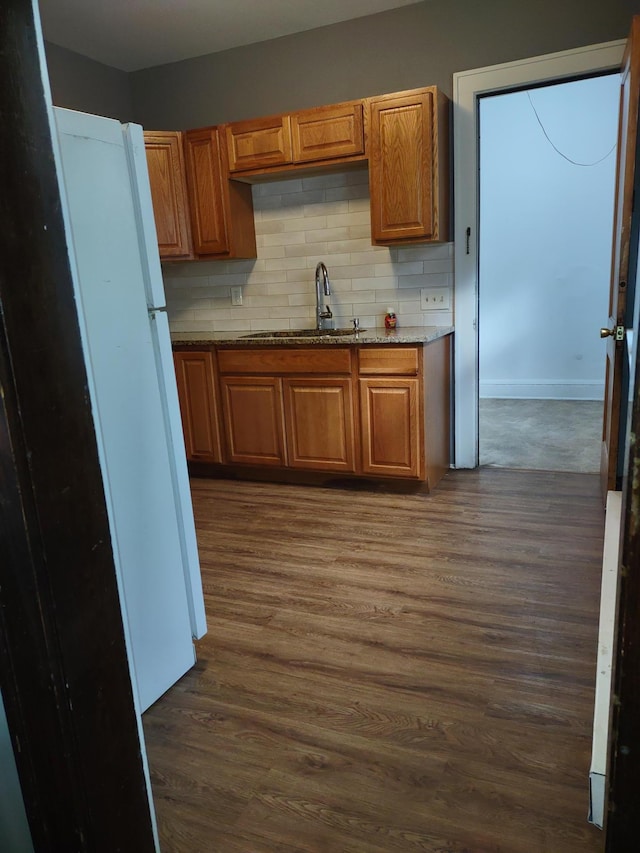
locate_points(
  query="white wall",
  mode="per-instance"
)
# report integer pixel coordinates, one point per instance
(298, 223)
(545, 239)
(14, 830)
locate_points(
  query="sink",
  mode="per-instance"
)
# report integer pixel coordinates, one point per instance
(303, 333)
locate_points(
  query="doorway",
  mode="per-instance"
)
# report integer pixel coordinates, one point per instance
(547, 175)
(468, 88)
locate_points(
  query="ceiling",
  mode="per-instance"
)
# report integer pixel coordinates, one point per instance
(135, 34)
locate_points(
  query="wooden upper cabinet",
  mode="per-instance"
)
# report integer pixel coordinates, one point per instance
(221, 210)
(259, 143)
(328, 132)
(286, 142)
(165, 161)
(206, 188)
(408, 174)
(403, 136)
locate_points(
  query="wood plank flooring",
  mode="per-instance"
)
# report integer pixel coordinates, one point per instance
(387, 671)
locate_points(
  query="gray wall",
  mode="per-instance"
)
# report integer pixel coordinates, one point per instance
(417, 45)
(79, 83)
(15, 836)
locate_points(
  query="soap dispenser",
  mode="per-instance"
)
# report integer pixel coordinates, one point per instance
(390, 319)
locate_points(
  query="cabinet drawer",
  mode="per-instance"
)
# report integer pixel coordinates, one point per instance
(389, 361)
(272, 360)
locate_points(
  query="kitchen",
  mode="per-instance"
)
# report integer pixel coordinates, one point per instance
(546, 41)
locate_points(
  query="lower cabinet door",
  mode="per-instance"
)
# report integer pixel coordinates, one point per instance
(391, 428)
(320, 424)
(196, 392)
(253, 420)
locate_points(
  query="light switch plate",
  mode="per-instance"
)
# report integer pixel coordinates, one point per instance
(236, 295)
(435, 299)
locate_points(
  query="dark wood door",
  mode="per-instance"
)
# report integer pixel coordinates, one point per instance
(64, 674)
(622, 817)
(616, 351)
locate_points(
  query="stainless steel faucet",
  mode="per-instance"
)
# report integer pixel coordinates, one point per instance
(324, 319)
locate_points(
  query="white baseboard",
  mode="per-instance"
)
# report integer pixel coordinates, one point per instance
(542, 389)
(597, 782)
(606, 636)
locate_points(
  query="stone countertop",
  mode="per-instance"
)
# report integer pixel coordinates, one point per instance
(403, 335)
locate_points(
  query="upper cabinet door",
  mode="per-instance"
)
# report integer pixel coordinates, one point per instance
(407, 182)
(206, 178)
(221, 210)
(165, 162)
(328, 132)
(259, 143)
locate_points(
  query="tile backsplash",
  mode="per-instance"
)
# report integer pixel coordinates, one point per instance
(299, 222)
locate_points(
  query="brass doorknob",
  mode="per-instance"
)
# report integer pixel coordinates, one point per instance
(618, 333)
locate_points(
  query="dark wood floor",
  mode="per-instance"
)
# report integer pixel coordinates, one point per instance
(387, 672)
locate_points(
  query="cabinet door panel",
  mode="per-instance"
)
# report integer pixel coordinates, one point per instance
(259, 143)
(253, 420)
(402, 168)
(391, 427)
(319, 420)
(327, 132)
(165, 162)
(196, 392)
(207, 184)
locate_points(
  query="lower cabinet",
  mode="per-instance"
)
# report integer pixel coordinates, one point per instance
(319, 424)
(252, 407)
(196, 392)
(392, 438)
(379, 411)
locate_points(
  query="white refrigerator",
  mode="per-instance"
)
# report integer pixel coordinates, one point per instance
(127, 347)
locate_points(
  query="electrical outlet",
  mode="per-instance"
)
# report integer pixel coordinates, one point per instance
(435, 299)
(236, 295)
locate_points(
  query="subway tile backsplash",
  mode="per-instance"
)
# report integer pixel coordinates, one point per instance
(299, 222)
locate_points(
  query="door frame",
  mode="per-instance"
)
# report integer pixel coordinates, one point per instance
(468, 86)
(64, 670)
